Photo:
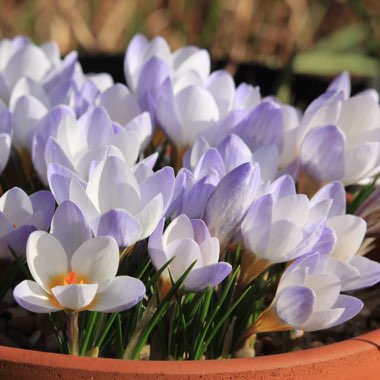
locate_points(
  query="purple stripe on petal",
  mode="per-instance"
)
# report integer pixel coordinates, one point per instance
(208, 276)
(323, 153)
(43, 201)
(120, 225)
(294, 304)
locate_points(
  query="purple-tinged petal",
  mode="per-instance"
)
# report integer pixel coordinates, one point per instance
(69, 226)
(16, 240)
(121, 225)
(369, 273)
(326, 241)
(230, 201)
(262, 126)
(59, 179)
(234, 152)
(32, 297)
(43, 201)
(345, 308)
(294, 304)
(195, 199)
(323, 153)
(55, 154)
(161, 182)
(256, 224)
(341, 83)
(334, 191)
(211, 160)
(207, 276)
(98, 126)
(62, 73)
(282, 187)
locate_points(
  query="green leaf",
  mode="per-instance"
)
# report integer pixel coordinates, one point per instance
(330, 63)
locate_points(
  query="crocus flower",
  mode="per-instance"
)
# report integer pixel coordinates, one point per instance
(84, 280)
(185, 112)
(77, 144)
(187, 241)
(115, 201)
(278, 227)
(35, 65)
(20, 215)
(307, 299)
(343, 130)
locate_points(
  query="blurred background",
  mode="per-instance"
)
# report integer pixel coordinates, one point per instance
(291, 48)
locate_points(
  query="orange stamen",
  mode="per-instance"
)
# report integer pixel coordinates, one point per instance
(13, 225)
(70, 279)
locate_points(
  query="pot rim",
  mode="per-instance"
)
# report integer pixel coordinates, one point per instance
(356, 357)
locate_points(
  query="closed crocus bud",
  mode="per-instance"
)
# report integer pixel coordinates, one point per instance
(343, 130)
(230, 202)
(82, 280)
(187, 242)
(308, 299)
(20, 215)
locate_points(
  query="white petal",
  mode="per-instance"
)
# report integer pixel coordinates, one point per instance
(150, 215)
(350, 231)
(16, 206)
(123, 293)
(185, 253)
(98, 260)
(179, 228)
(46, 258)
(75, 297)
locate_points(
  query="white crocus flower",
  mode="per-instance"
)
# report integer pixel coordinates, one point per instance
(84, 281)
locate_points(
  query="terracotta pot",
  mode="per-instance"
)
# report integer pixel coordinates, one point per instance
(357, 358)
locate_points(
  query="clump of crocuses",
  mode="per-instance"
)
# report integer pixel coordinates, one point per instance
(180, 212)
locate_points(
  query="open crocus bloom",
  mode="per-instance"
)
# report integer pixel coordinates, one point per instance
(85, 282)
(187, 241)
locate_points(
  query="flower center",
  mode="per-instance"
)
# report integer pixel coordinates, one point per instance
(69, 278)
